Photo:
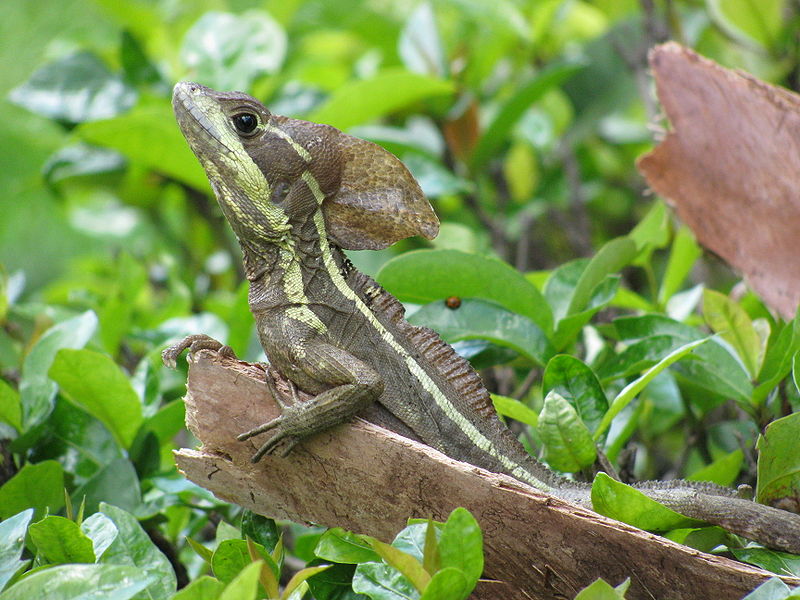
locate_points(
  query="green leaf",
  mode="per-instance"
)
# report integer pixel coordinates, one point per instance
(777, 562)
(748, 21)
(497, 132)
(101, 530)
(132, 135)
(341, 546)
(717, 371)
(510, 407)
(231, 556)
(609, 259)
(408, 565)
(419, 44)
(653, 230)
(227, 51)
(479, 319)
(423, 276)
(779, 461)
(601, 590)
(299, 577)
(200, 550)
(61, 541)
(115, 482)
(575, 381)
(728, 319)
(379, 581)
(82, 582)
(461, 545)
(133, 547)
(682, 257)
(570, 326)
(567, 442)
(448, 584)
(637, 357)
(10, 406)
(431, 560)
(95, 383)
(75, 89)
(261, 530)
(36, 389)
(782, 346)
(631, 390)
(202, 588)
(12, 542)
(771, 589)
(39, 486)
(723, 471)
(618, 501)
(245, 585)
(363, 100)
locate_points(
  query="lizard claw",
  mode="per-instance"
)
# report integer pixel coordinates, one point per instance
(194, 343)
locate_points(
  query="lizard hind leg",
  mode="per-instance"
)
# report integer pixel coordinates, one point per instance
(349, 385)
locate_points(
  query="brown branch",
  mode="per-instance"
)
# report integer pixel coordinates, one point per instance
(370, 480)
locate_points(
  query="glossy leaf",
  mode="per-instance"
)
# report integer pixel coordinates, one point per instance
(479, 319)
(133, 547)
(779, 461)
(408, 565)
(683, 254)
(341, 546)
(82, 582)
(94, 382)
(609, 259)
(101, 530)
(61, 541)
(10, 406)
(601, 590)
(461, 545)
(364, 100)
(245, 585)
(771, 589)
(567, 442)
(575, 381)
(300, 577)
(427, 275)
(777, 562)
(624, 503)
(12, 542)
(75, 89)
(419, 44)
(723, 471)
(631, 390)
(202, 588)
(448, 584)
(39, 486)
(36, 389)
(132, 135)
(114, 482)
(510, 407)
(379, 581)
(227, 51)
(260, 529)
(730, 320)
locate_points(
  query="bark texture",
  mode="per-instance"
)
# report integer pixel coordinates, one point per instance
(369, 480)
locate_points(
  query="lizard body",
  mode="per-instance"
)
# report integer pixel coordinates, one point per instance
(295, 193)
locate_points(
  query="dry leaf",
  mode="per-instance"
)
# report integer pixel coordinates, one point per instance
(731, 168)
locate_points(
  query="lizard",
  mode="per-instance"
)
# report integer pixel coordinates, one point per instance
(297, 194)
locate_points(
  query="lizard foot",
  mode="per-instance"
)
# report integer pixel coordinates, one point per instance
(270, 446)
(194, 343)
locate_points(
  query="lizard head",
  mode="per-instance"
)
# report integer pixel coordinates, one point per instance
(270, 173)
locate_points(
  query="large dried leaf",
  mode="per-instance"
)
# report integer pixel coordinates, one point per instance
(730, 168)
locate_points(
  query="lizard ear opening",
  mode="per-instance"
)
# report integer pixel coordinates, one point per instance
(378, 203)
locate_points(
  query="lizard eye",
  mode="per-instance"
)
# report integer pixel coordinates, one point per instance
(245, 122)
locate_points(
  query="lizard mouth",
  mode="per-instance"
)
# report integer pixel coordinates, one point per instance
(192, 104)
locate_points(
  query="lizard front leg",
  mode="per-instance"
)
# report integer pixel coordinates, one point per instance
(351, 385)
(194, 343)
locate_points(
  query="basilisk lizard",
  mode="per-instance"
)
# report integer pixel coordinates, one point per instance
(297, 193)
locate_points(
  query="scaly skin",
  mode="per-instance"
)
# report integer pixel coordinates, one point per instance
(295, 193)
